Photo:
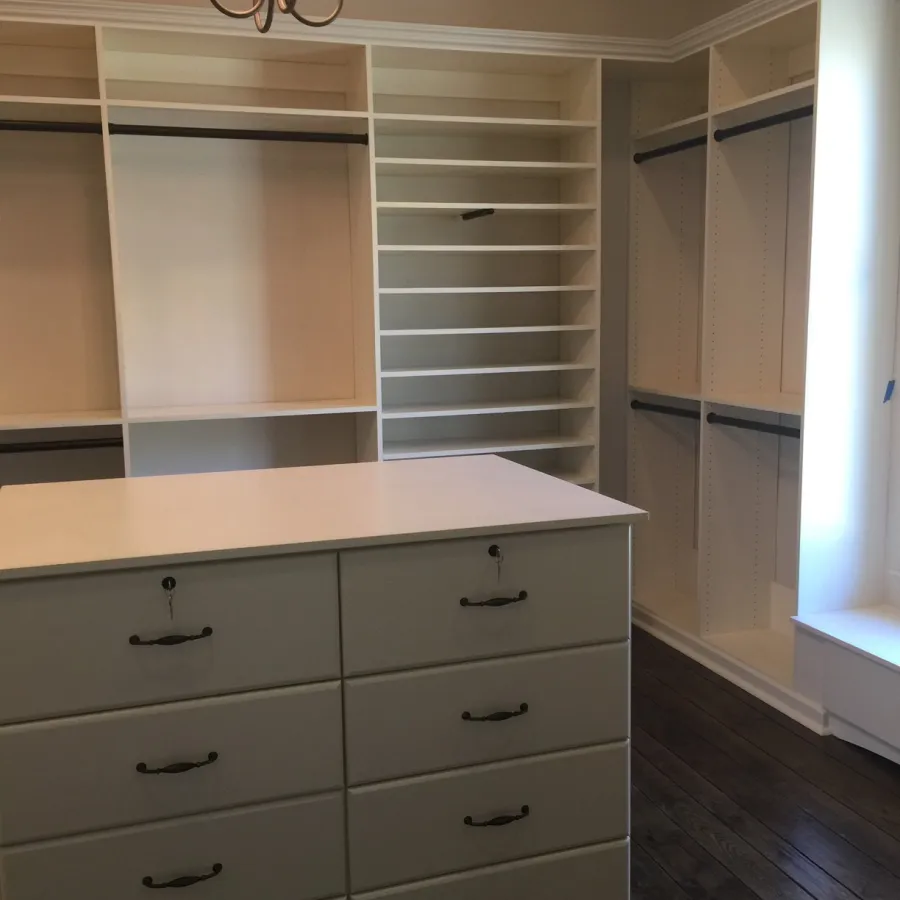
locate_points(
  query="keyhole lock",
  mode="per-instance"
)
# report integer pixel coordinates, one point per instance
(168, 584)
(494, 551)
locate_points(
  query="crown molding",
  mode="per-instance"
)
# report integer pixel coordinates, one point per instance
(161, 16)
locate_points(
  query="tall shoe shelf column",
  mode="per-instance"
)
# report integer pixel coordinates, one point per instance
(488, 235)
(58, 354)
(719, 294)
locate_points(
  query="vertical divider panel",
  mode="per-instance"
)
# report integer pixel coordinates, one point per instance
(114, 248)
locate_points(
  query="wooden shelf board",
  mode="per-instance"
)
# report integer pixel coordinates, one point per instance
(411, 166)
(532, 289)
(874, 631)
(437, 371)
(485, 408)
(474, 447)
(767, 651)
(454, 210)
(247, 411)
(786, 404)
(80, 419)
(797, 95)
(682, 130)
(49, 109)
(413, 125)
(674, 393)
(487, 248)
(509, 329)
(195, 115)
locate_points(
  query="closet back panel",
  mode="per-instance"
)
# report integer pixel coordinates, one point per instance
(57, 321)
(663, 475)
(48, 61)
(667, 223)
(236, 264)
(176, 448)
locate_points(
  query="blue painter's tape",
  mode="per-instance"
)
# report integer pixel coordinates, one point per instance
(890, 391)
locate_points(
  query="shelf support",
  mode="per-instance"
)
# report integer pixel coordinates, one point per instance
(676, 411)
(669, 149)
(750, 425)
(792, 115)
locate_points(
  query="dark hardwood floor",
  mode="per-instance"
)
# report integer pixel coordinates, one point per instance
(733, 801)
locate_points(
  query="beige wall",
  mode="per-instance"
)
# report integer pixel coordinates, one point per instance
(620, 18)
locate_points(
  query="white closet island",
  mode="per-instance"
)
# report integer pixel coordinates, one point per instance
(385, 679)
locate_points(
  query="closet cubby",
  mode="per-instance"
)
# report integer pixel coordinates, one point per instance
(663, 475)
(750, 537)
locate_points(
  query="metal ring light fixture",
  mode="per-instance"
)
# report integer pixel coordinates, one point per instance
(265, 17)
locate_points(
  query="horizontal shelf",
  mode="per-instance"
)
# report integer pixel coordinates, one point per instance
(49, 109)
(251, 118)
(81, 419)
(404, 166)
(425, 449)
(247, 411)
(413, 125)
(675, 132)
(440, 371)
(512, 329)
(673, 393)
(786, 404)
(454, 210)
(484, 408)
(506, 289)
(487, 248)
(767, 651)
(872, 630)
(772, 104)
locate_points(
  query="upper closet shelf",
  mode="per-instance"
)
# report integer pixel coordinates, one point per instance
(785, 404)
(250, 118)
(247, 411)
(410, 166)
(505, 289)
(35, 421)
(785, 100)
(504, 329)
(450, 447)
(487, 248)
(485, 408)
(463, 126)
(501, 369)
(688, 129)
(408, 208)
(49, 109)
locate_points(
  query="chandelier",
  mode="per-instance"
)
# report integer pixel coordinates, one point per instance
(263, 18)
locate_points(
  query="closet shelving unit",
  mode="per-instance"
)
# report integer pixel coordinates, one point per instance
(720, 244)
(488, 239)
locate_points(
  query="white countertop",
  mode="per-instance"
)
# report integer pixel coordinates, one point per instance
(87, 525)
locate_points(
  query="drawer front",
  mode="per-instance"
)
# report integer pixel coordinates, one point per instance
(410, 830)
(863, 693)
(67, 644)
(600, 872)
(255, 747)
(404, 606)
(399, 725)
(292, 851)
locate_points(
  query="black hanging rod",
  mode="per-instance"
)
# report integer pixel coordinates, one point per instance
(792, 115)
(238, 134)
(57, 446)
(666, 410)
(750, 425)
(669, 149)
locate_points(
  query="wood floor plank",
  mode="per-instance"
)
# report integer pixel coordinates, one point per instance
(765, 879)
(766, 842)
(812, 822)
(649, 881)
(691, 867)
(877, 769)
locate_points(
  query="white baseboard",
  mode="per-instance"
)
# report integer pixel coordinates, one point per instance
(853, 735)
(792, 704)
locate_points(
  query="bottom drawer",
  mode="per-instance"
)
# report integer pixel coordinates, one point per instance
(285, 851)
(592, 872)
(863, 692)
(409, 830)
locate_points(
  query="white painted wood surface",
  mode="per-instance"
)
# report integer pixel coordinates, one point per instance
(409, 724)
(287, 851)
(573, 799)
(267, 745)
(46, 529)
